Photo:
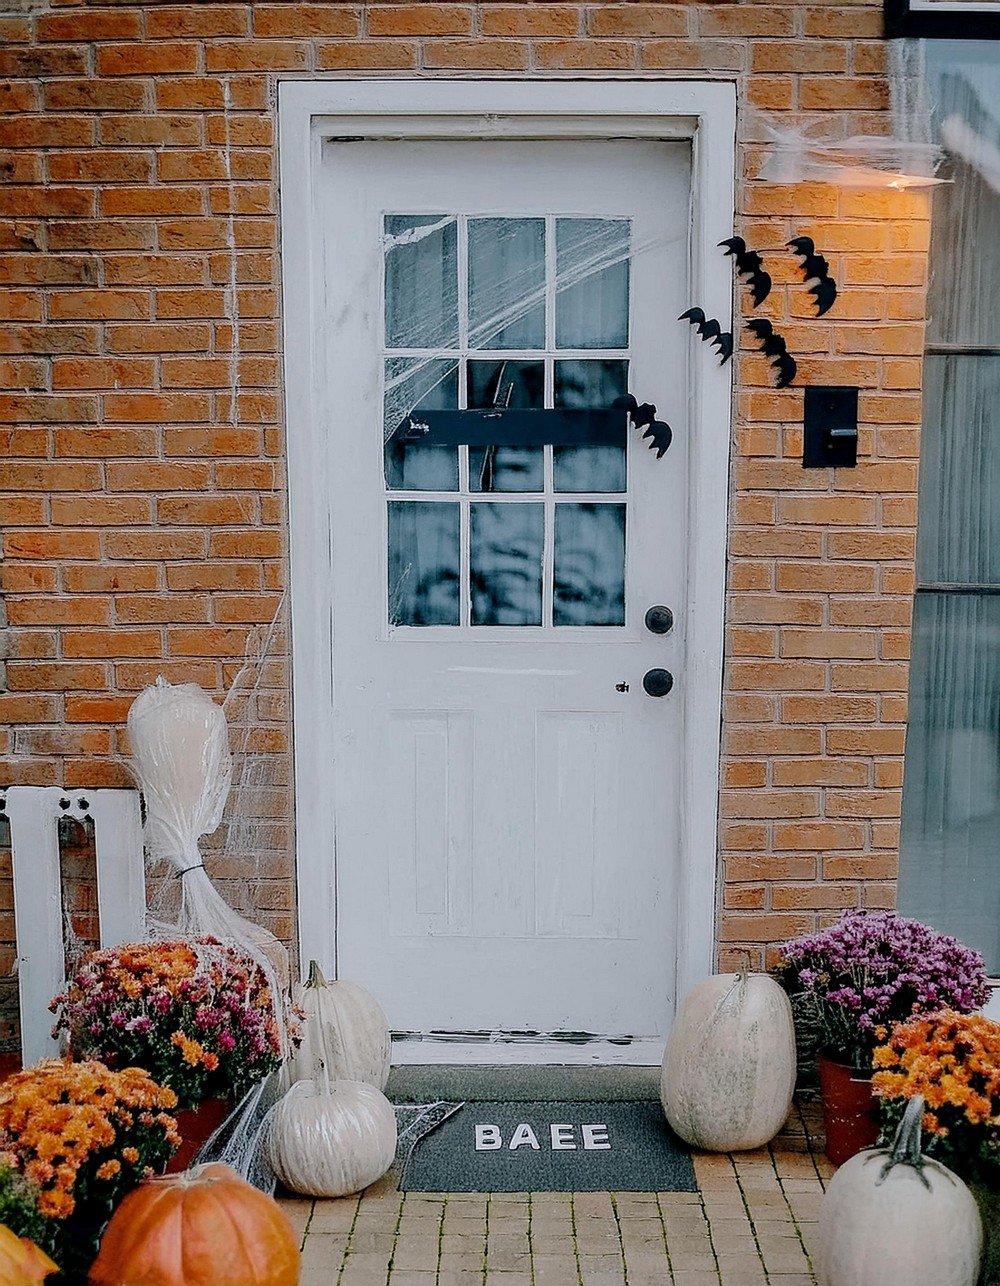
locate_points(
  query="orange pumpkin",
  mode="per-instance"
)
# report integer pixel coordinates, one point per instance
(203, 1227)
(21, 1262)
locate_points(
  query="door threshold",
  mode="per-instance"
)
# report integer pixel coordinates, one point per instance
(444, 1050)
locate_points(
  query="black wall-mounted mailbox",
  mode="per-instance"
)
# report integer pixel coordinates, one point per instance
(830, 437)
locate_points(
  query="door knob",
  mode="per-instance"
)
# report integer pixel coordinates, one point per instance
(659, 620)
(657, 683)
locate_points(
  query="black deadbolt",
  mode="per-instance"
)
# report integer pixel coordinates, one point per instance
(659, 620)
(657, 683)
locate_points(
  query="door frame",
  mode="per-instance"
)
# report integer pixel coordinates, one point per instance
(311, 112)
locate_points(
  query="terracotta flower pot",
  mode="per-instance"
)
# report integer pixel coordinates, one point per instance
(850, 1109)
(196, 1125)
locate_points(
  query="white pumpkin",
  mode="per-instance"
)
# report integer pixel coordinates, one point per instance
(345, 1034)
(729, 1066)
(891, 1215)
(331, 1142)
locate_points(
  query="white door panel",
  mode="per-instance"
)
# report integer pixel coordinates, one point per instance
(507, 810)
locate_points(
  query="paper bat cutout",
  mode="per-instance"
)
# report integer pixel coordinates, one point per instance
(643, 415)
(773, 345)
(750, 265)
(815, 269)
(710, 330)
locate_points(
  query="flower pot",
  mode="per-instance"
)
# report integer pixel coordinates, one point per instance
(196, 1125)
(850, 1109)
(988, 1199)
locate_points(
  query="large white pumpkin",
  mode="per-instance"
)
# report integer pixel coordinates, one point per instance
(345, 1034)
(729, 1066)
(892, 1216)
(330, 1142)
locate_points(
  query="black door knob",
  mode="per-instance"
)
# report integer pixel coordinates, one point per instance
(657, 683)
(659, 620)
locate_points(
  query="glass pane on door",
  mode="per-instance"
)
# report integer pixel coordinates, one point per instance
(553, 293)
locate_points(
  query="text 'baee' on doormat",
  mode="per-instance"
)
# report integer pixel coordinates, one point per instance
(551, 1147)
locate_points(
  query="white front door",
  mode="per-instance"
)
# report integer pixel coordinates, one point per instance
(506, 793)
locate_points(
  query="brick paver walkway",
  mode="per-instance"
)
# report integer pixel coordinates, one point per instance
(751, 1224)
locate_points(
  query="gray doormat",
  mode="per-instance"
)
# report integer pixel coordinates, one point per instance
(580, 1146)
(423, 1083)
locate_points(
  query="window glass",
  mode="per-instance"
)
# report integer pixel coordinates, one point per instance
(507, 384)
(506, 283)
(592, 283)
(590, 383)
(421, 281)
(589, 586)
(413, 384)
(424, 559)
(507, 544)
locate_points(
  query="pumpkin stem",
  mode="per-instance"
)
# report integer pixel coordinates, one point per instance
(906, 1145)
(744, 970)
(315, 978)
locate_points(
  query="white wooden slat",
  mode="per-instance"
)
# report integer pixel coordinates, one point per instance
(121, 874)
(38, 912)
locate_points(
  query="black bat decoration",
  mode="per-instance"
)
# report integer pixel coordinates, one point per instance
(815, 269)
(710, 330)
(750, 265)
(643, 416)
(773, 345)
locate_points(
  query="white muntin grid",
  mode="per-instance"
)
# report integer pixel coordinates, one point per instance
(456, 359)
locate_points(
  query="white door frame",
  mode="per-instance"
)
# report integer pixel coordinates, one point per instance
(310, 112)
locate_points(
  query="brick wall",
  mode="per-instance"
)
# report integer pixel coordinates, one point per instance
(142, 493)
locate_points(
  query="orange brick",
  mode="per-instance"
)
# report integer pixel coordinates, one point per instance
(870, 677)
(763, 928)
(693, 55)
(778, 676)
(856, 644)
(638, 20)
(207, 642)
(828, 709)
(166, 21)
(154, 59)
(775, 740)
(819, 836)
(162, 200)
(366, 55)
(82, 26)
(156, 477)
(216, 511)
(863, 803)
(57, 676)
(111, 643)
(417, 20)
(257, 55)
(96, 709)
(821, 772)
(843, 93)
(108, 578)
(157, 408)
(58, 611)
(35, 545)
(794, 897)
(522, 20)
(157, 609)
(572, 54)
(23, 578)
(160, 543)
(100, 442)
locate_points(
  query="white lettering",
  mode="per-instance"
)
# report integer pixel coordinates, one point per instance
(488, 1138)
(522, 1135)
(595, 1138)
(562, 1138)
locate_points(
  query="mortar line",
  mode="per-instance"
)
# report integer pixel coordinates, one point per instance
(350, 1235)
(666, 1244)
